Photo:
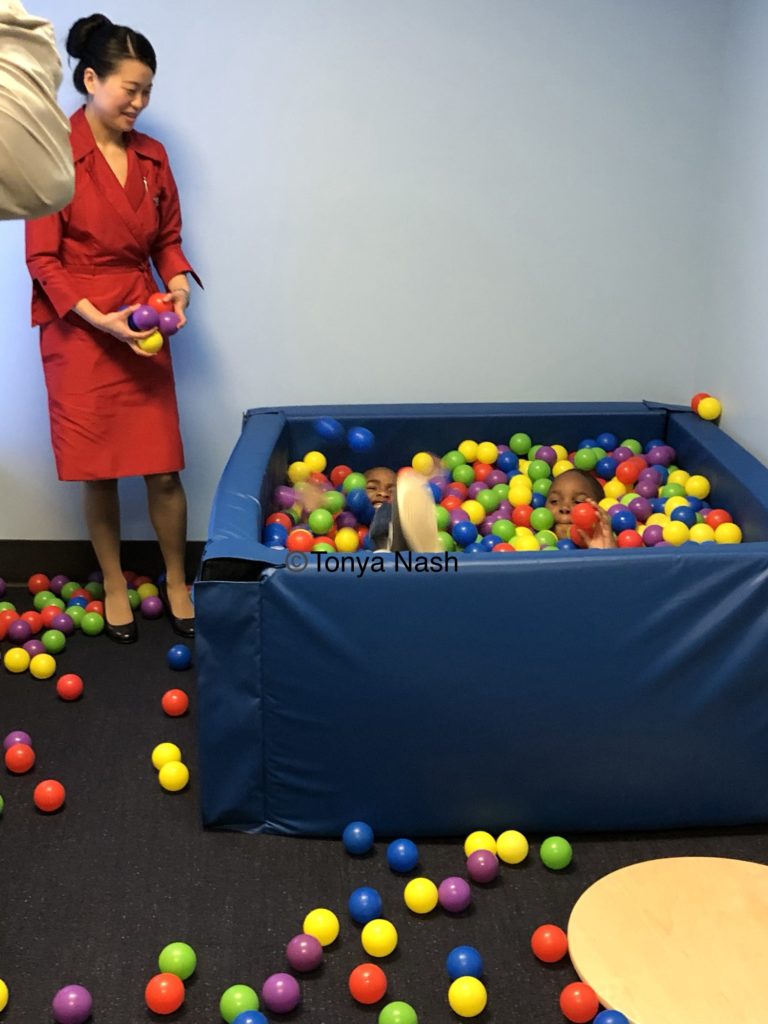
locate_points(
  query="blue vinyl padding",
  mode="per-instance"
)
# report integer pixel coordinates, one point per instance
(565, 691)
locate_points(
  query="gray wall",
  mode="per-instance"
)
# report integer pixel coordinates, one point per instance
(433, 199)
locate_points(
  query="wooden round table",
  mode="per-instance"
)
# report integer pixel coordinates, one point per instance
(682, 940)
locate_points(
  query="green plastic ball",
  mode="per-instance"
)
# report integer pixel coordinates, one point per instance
(7, 606)
(134, 600)
(672, 491)
(237, 999)
(546, 539)
(53, 641)
(542, 519)
(542, 486)
(585, 459)
(463, 474)
(600, 453)
(324, 547)
(633, 444)
(488, 499)
(43, 598)
(520, 443)
(398, 1013)
(69, 588)
(76, 613)
(446, 541)
(320, 521)
(2, 805)
(504, 529)
(177, 958)
(95, 589)
(443, 517)
(333, 501)
(539, 470)
(502, 490)
(453, 459)
(556, 853)
(92, 624)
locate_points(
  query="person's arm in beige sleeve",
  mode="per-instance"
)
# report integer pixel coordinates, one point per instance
(36, 171)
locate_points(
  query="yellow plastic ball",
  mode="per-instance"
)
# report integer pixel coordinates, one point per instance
(524, 531)
(467, 996)
(423, 463)
(173, 776)
(701, 533)
(16, 659)
(657, 519)
(420, 895)
(315, 461)
(562, 466)
(298, 472)
(42, 666)
(469, 450)
(487, 452)
(678, 476)
(147, 590)
(728, 533)
(347, 539)
(3, 995)
(709, 408)
(474, 510)
(519, 496)
(152, 344)
(521, 542)
(164, 753)
(560, 452)
(323, 924)
(675, 532)
(520, 480)
(697, 487)
(479, 841)
(522, 465)
(614, 489)
(672, 503)
(606, 503)
(512, 847)
(379, 937)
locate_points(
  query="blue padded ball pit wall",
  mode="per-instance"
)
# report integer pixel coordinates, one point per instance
(555, 692)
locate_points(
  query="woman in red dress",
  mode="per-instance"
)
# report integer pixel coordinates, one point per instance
(112, 406)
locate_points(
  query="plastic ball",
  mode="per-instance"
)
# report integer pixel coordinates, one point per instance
(549, 943)
(151, 607)
(281, 993)
(398, 1013)
(420, 895)
(72, 1004)
(168, 323)
(464, 961)
(18, 631)
(16, 660)
(151, 344)
(556, 853)
(17, 736)
(164, 753)
(174, 703)
(144, 318)
(250, 1017)
(177, 958)
(512, 847)
(709, 408)
(179, 657)
(402, 855)
(328, 428)
(454, 894)
(379, 937)
(467, 996)
(49, 795)
(360, 439)
(357, 837)
(585, 459)
(42, 666)
(364, 905)
(323, 924)
(675, 533)
(584, 516)
(346, 539)
(579, 1002)
(520, 443)
(367, 984)
(482, 866)
(697, 398)
(304, 953)
(92, 624)
(235, 1000)
(697, 486)
(3, 986)
(728, 533)
(164, 993)
(610, 1017)
(173, 776)
(19, 758)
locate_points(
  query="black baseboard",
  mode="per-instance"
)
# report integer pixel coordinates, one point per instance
(75, 558)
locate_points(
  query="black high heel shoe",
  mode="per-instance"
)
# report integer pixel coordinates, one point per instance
(181, 627)
(127, 634)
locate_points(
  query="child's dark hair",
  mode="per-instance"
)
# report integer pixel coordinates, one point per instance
(591, 483)
(99, 44)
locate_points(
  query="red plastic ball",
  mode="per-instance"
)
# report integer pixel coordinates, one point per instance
(138, 581)
(629, 470)
(19, 758)
(164, 993)
(281, 518)
(69, 686)
(34, 620)
(158, 301)
(549, 943)
(49, 796)
(629, 539)
(362, 533)
(175, 703)
(339, 474)
(300, 540)
(521, 515)
(39, 581)
(367, 983)
(48, 614)
(95, 606)
(697, 398)
(82, 592)
(715, 516)
(579, 1002)
(584, 516)
(458, 489)
(503, 547)
(451, 502)
(482, 469)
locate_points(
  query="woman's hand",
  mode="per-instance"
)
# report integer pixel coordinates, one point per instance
(116, 324)
(180, 299)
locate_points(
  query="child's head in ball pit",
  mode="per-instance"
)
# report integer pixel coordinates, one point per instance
(380, 485)
(567, 490)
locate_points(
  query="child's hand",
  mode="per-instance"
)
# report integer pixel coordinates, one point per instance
(602, 535)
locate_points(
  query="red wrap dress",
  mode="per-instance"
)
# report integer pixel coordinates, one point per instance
(112, 413)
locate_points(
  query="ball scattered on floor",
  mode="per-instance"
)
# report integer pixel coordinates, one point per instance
(235, 1000)
(323, 924)
(49, 795)
(72, 1004)
(177, 958)
(173, 776)
(479, 840)
(512, 847)
(164, 993)
(304, 953)
(420, 895)
(367, 984)
(454, 894)
(281, 993)
(398, 1013)
(357, 838)
(579, 1002)
(556, 853)
(175, 703)
(379, 937)
(549, 943)
(179, 657)
(467, 996)
(402, 855)
(364, 904)
(163, 753)
(464, 961)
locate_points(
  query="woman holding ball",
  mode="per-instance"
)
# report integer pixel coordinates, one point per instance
(112, 405)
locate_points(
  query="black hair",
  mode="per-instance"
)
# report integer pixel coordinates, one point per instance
(591, 483)
(99, 44)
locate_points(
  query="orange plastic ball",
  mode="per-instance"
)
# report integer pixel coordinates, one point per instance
(164, 993)
(19, 758)
(549, 943)
(49, 796)
(367, 984)
(175, 703)
(579, 1002)
(300, 540)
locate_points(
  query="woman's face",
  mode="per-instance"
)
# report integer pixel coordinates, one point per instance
(119, 98)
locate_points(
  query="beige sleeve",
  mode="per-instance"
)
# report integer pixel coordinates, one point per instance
(36, 172)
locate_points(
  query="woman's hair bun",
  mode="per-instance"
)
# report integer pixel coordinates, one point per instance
(77, 40)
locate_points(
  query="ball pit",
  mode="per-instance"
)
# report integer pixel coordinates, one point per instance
(253, 616)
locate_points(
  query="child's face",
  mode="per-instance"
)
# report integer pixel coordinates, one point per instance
(380, 485)
(566, 491)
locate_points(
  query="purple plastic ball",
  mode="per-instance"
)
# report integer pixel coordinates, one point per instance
(653, 535)
(97, 576)
(168, 323)
(458, 515)
(19, 631)
(63, 623)
(57, 583)
(482, 866)
(547, 454)
(505, 510)
(33, 647)
(72, 1005)
(476, 487)
(640, 508)
(304, 953)
(145, 318)
(2, 587)
(621, 454)
(151, 607)
(17, 736)
(495, 477)
(284, 496)
(281, 993)
(454, 894)
(346, 519)
(647, 488)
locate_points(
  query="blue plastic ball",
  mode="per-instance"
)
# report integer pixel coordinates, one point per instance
(588, 442)
(684, 514)
(464, 532)
(606, 468)
(507, 462)
(655, 443)
(623, 520)
(275, 533)
(358, 501)
(464, 961)
(566, 545)
(360, 439)
(490, 541)
(357, 838)
(179, 657)
(82, 601)
(607, 441)
(250, 1017)
(610, 1017)
(657, 504)
(437, 491)
(402, 855)
(364, 905)
(473, 549)
(538, 500)
(329, 428)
